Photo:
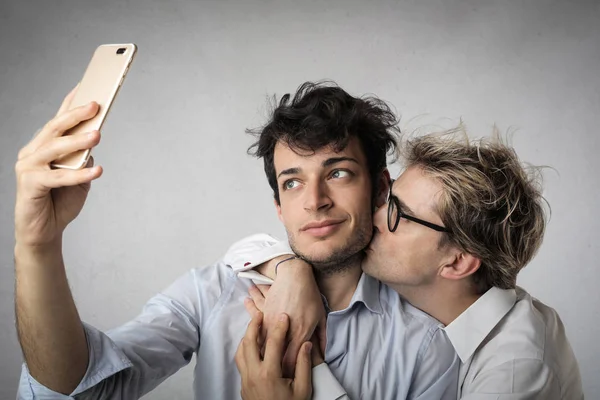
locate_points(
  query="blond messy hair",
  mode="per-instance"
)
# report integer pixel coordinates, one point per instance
(491, 202)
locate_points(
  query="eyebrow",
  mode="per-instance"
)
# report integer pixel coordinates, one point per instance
(403, 207)
(336, 160)
(289, 171)
(326, 163)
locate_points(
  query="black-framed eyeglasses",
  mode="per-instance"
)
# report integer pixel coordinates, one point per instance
(394, 215)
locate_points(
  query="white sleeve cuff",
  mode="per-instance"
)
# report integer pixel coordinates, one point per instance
(325, 385)
(254, 250)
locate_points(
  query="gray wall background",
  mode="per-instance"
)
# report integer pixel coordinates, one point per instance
(178, 187)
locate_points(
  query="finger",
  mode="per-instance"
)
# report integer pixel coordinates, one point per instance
(257, 297)
(264, 289)
(66, 104)
(290, 358)
(249, 344)
(90, 164)
(275, 344)
(62, 123)
(60, 146)
(52, 179)
(71, 118)
(251, 307)
(303, 379)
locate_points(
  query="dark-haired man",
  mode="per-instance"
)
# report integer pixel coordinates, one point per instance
(324, 154)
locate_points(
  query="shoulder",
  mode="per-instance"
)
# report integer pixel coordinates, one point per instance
(530, 329)
(516, 376)
(530, 341)
(208, 288)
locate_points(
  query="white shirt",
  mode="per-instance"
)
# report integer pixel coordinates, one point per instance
(513, 347)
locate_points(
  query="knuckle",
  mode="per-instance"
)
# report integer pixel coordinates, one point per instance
(273, 341)
(246, 341)
(86, 109)
(22, 153)
(51, 125)
(19, 167)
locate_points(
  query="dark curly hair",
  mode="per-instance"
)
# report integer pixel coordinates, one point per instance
(323, 114)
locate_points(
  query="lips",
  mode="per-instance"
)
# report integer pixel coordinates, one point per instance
(322, 228)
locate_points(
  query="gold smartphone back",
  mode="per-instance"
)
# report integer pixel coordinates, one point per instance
(100, 83)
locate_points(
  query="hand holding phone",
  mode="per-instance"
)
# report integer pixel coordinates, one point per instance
(100, 83)
(47, 199)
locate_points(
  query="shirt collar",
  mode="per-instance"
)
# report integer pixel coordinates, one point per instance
(367, 291)
(471, 327)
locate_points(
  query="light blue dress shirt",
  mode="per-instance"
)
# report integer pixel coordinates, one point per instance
(379, 347)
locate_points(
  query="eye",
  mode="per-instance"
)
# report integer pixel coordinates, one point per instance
(290, 184)
(339, 173)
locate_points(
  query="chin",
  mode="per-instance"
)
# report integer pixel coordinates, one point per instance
(336, 248)
(332, 241)
(325, 252)
(319, 251)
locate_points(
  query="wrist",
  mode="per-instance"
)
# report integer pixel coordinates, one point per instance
(296, 266)
(290, 258)
(24, 252)
(268, 268)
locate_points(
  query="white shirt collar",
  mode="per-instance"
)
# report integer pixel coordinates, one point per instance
(471, 327)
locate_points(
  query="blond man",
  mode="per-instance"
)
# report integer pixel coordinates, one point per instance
(460, 223)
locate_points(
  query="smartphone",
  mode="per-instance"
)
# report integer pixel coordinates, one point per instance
(100, 83)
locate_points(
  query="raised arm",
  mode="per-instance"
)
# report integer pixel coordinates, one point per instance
(50, 332)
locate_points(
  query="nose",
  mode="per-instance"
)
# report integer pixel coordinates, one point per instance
(380, 218)
(317, 197)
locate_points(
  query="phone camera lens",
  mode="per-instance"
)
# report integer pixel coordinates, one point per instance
(121, 50)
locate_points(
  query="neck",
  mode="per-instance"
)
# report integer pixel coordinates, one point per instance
(443, 300)
(339, 287)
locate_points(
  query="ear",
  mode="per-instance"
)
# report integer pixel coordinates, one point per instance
(384, 188)
(278, 208)
(461, 266)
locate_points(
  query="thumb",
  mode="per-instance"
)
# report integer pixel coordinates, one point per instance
(303, 379)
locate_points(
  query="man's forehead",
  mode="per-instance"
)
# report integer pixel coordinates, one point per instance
(284, 153)
(417, 190)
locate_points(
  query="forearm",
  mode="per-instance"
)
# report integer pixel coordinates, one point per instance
(49, 328)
